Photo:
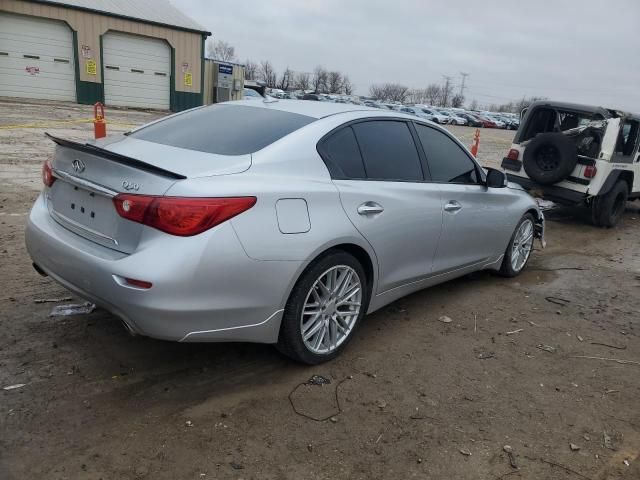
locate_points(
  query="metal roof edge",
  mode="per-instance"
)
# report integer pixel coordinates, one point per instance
(124, 17)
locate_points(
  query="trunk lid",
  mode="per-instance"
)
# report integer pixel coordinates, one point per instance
(89, 176)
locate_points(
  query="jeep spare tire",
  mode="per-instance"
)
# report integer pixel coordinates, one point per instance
(550, 158)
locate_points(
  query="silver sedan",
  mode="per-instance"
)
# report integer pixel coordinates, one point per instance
(273, 222)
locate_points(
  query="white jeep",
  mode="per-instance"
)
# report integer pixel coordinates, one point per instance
(578, 155)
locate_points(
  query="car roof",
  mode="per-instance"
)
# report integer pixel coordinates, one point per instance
(305, 107)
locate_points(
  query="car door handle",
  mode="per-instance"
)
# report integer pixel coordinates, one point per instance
(370, 208)
(452, 206)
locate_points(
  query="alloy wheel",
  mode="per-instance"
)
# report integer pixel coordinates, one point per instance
(331, 309)
(522, 245)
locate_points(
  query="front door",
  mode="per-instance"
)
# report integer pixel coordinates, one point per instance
(474, 219)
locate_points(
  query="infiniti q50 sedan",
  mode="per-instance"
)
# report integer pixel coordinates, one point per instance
(273, 222)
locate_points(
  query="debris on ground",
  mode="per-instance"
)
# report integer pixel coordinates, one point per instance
(72, 309)
(485, 355)
(318, 380)
(558, 301)
(513, 332)
(445, 319)
(236, 466)
(547, 348)
(508, 449)
(189, 423)
(14, 387)
(53, 300)
(464, 451)
(574, 447)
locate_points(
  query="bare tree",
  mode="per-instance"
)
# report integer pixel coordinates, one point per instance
(347, 86)
(286, 79)
(302, 81)
(432, 94)
(221, 50)
(250, 70)
(390, 92)
(267, 73)
(334, 82)
(457, 101)
(319, 81)
(474, 105)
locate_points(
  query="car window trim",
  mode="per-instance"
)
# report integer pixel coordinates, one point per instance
(479, 170)
(327, 160)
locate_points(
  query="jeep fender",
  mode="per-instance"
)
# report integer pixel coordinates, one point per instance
(612, 179)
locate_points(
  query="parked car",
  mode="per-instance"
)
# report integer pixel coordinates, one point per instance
(578, 155)
(486, 121)
(437, 116)
(277, 222)
(250, 94)
(417, 112)
(472, 121)
(452, 118)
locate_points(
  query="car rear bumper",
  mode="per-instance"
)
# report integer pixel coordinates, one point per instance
(205, 288)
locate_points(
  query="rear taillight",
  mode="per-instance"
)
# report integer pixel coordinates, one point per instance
(47, 173)
(590, 171)
(513, 154)
(183, 216)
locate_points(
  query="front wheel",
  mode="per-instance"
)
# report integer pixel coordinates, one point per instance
(520, 246)
(607, 209)
(324, 309)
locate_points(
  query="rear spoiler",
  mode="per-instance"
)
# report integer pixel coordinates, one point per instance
(115, 157)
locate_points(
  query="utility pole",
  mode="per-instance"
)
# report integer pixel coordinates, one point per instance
(446, 90)
(464, 79)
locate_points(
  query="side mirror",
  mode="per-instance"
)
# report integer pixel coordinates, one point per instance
(496, 178)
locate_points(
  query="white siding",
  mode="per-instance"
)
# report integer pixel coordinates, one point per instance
(137, 71)
(36, 58)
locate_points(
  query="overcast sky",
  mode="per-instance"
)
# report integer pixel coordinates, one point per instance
(583, 51)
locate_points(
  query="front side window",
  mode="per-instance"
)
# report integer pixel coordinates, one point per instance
(388, 151)
(448, 162)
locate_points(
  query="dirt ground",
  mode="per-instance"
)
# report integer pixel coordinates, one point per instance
(411, 397)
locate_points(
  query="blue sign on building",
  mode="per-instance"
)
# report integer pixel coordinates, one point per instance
(226, 69)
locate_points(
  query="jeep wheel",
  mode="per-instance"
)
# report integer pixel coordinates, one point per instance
(550, 158)
(607, 209)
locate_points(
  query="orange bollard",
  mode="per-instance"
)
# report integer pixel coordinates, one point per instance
(99, 124)
(476, 143)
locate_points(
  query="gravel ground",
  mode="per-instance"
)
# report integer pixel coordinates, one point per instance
(411, 397)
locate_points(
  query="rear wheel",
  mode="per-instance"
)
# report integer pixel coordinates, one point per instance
(520, 246)
(324, 309)
(607, 209)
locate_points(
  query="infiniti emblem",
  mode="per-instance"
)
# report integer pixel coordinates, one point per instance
(78, 166)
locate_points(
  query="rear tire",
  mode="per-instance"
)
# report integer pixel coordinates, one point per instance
(519, 248)
(607, 209)
(339, 321)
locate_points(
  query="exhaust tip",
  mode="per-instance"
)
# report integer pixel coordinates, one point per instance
(41, 272)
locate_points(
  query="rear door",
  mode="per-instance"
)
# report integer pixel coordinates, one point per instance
(377, 169)
(474, 217)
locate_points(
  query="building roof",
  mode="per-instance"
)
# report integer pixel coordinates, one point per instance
(158, 12)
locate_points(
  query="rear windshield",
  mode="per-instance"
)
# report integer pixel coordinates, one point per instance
(224, 129)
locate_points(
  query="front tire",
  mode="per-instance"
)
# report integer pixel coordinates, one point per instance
(607, 209)
(520, 246)
(324, 309)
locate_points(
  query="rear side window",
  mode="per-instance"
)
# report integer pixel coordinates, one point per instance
(448, 163)
(388, 151)
(343, 154)
(224, 129)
